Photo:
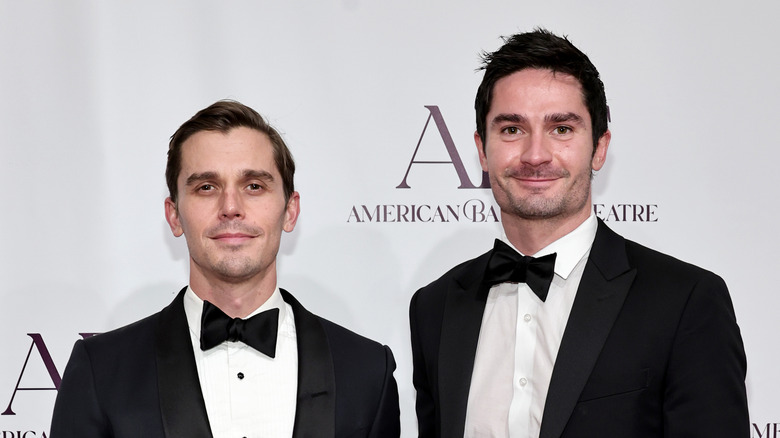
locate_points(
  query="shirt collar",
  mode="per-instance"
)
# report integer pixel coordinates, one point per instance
(193, 308)
(570, 249)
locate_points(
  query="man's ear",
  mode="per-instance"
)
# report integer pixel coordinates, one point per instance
(600, 154)
(292, 211)
(172, 216)
(481, 151)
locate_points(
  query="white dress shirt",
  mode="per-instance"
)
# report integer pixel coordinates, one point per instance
(248, 394)
(515, 355)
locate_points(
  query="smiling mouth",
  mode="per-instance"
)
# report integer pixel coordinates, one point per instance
(535, 185)
(536, 182)
(533, 174)
(533, 180)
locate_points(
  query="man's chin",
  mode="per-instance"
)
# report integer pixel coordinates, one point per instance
(235, 271)
(536, 210)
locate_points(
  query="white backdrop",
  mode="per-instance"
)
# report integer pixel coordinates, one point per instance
(90, 92)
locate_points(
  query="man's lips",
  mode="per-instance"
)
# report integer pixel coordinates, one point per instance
(536, 182)
(232, 238)
(534, 177)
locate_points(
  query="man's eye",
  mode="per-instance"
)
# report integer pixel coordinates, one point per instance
(254, 186)
(206, 188)
(511, 130)
(562, 130)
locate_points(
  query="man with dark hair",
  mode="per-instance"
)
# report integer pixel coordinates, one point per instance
(233, 355)
(565, 329)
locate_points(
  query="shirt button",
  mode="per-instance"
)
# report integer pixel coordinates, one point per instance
(527, 318)
(240, 375)
(523, 381)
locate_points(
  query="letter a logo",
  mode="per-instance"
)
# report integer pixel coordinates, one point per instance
(465, 182)
(37, 342)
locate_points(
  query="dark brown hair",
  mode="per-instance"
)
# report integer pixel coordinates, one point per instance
(223, 116)
(541, 49)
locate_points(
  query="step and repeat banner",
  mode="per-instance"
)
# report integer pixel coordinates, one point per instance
(365, 93)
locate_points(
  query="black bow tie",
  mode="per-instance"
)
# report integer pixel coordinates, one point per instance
(259, 331)
(506, 265)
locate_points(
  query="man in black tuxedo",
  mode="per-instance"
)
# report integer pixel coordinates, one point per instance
(232, 355)
(565, 329)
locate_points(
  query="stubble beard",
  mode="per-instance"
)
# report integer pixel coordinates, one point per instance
(538, 205)
(233, 266)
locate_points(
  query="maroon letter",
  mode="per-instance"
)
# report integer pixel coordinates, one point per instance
(465, 182)
(37, 341)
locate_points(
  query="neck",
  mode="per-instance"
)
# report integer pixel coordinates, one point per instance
(236, 299)
(529, 236)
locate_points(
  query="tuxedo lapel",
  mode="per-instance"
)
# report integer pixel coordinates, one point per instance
(462, 320)
(181, 400)
(600, 296)
(315, 414)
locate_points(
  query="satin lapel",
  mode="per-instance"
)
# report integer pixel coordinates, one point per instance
(602, 291)
(462, 320)
(315, 413)
(181, 400)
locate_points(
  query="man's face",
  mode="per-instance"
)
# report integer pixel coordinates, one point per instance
(231, 206)
(539, 146)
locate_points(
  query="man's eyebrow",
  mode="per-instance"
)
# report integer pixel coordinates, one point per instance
(258, 174)
(563, 118)
(198, 177)
(508, 118)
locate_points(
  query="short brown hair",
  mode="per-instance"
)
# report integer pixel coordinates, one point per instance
(223, 116)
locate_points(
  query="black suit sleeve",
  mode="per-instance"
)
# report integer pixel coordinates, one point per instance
(387, 422)
(77, 411)
(705, 389)
(366, 394)
(425, 404)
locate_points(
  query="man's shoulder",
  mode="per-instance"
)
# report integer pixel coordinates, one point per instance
(123, 339)
(132, 338)
(336, 334)
(346, 341)
(465, 274)
(611, 250)
(646, 259)
(362, 372)
(656, 271)
(470, 267)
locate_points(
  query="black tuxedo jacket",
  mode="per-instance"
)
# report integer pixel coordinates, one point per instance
(651, 349)
(141, 381)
